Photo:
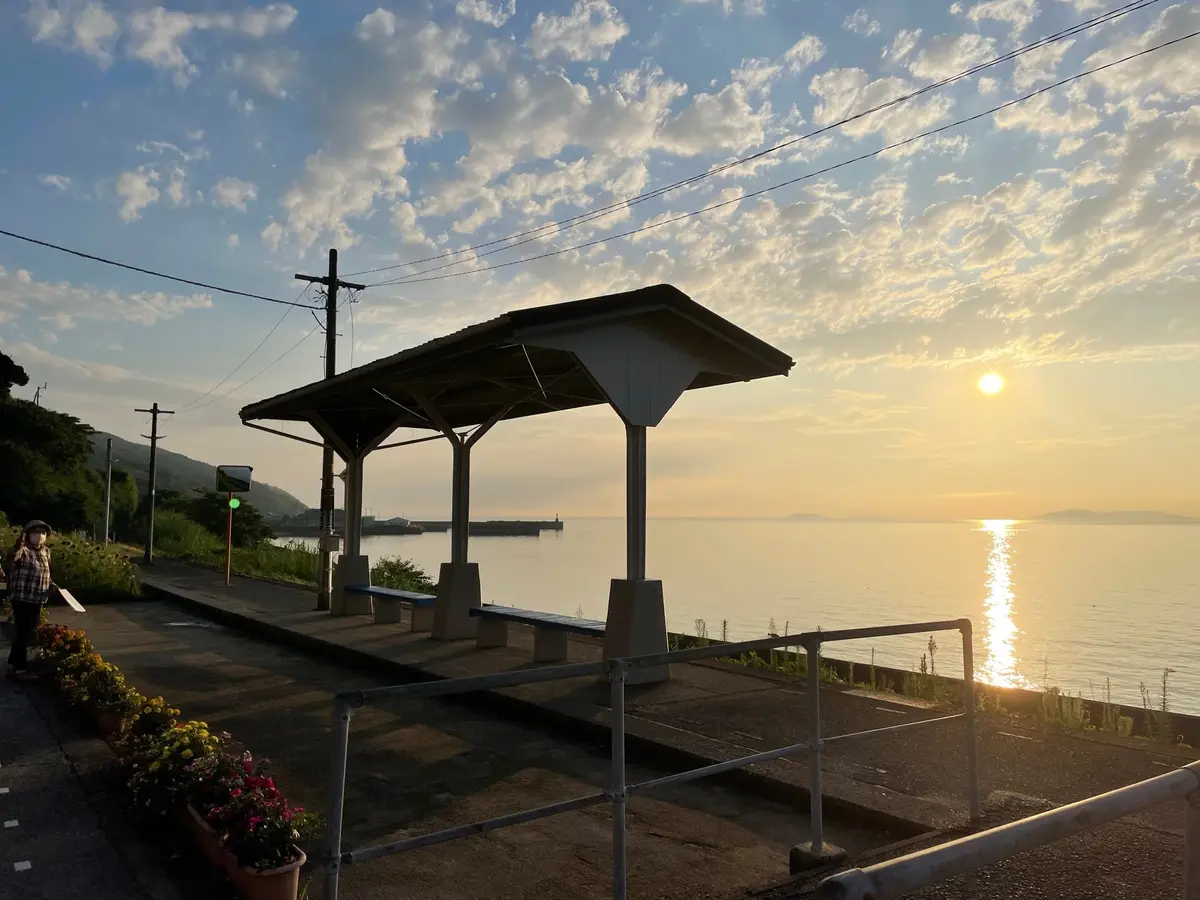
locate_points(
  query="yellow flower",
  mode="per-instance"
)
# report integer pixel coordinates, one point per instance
(187, 754)
(155, 766)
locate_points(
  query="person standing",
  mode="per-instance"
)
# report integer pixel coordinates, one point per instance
(29, 586)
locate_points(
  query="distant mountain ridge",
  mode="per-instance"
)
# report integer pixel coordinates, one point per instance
(1117, 517)
(177, 472)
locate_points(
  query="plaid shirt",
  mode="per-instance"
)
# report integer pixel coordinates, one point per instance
(29, 575)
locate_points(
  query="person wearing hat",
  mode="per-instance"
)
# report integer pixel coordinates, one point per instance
(29, 587)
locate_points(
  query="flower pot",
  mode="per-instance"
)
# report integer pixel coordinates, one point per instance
(271, 884)
(107, 721)
(206, 837)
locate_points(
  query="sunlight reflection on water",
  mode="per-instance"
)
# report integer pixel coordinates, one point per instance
(999, 665)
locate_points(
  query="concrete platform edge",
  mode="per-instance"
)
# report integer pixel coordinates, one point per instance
(561, 721)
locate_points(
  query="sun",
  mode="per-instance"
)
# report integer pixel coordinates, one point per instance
(991, 384)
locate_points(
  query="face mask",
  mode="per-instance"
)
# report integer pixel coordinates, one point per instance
(37, 539)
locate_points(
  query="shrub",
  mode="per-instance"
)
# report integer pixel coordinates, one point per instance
(401, 575)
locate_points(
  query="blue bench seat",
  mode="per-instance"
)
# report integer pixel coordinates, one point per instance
(550, 630)
(389, 605)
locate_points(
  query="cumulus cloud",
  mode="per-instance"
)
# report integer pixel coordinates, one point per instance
(83, 27)
(860, 22)
(1017, 13)
(64, 304)
(137, 191)
(589, 31)
(804, 53)
(234, 193)
(947, 55)
(483, 11)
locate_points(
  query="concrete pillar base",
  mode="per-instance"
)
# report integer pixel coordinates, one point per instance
(637, 626)
(457, 593)
(422, 619)
(805, 857)
(351, 570)
(549, 645)
(491, 633)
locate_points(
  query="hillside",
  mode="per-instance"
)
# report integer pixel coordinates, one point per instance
(1117, 517)
(177, 472)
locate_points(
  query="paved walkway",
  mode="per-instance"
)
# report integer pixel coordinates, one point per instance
(420, 766)
(61, 837)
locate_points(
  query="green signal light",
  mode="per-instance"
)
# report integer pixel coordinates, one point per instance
(234, 502)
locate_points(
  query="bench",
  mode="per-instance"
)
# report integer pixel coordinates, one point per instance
(389, 605)
(550, 630)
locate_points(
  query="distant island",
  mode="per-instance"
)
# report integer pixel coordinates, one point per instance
(1116, 517)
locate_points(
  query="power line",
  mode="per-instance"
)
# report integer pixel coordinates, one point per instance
(287, 312)
(267, 367)
(121, 265)
(720, 205)
(534, 234)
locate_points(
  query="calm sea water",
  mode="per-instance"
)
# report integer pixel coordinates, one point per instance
(1065, 605)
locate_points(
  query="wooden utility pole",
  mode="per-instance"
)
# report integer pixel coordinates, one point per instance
(154, 412)
(331, 283)
(108, 461)
(37, 395)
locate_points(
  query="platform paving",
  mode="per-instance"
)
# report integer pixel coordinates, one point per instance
(421, 765)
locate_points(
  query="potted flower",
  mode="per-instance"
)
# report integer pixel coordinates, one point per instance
(57, 642)
(216, 781)
(259, 829)
(70, 673)
(102, 692)
(159, 782)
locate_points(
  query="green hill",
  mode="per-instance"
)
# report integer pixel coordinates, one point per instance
(177, 472)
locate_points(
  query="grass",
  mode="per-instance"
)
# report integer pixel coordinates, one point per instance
(178, 537)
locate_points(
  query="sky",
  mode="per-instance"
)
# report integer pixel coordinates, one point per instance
(1054, 242)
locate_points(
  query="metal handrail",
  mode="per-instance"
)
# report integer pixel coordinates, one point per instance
(900, 876)
(616, 670)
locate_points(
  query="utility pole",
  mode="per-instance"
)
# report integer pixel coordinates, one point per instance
(154, 412)
(37, 395)
(108, 461)
(331, 283)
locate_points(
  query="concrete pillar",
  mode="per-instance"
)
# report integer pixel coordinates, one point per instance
(460, 504)
(637, 618)
(352, 567)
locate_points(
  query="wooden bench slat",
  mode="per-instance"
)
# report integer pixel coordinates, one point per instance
(540, 619)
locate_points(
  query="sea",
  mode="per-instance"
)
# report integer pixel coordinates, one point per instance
(1097, 610)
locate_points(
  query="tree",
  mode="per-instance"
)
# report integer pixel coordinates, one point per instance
(211, 510)
(123, 505)
(11, 375)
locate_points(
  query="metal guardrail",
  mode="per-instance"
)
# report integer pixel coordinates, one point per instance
(900, 876)
(618, 793)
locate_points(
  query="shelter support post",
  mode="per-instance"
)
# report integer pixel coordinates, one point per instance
(458, 589)
(637, 619)
(352, 567)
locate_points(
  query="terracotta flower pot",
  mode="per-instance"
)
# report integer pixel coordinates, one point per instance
(271, 884)
(206, 837)
(109, 722)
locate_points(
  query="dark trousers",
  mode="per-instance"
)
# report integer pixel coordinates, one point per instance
(25, 623)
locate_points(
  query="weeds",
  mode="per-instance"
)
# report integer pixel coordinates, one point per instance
(1158, 716)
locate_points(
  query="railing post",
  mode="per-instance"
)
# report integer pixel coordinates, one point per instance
(342, 712)
(617, 710)
(973, 804)
(1191, 849)
(816, 852)
(816, 812)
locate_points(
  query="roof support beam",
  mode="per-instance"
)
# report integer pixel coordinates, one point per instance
(635, 502)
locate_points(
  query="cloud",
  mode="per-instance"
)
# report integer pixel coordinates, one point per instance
(903, 43)
(156, 35)
(482, 11)
(589, 31)
(61, 182)
(86, 28)
(63, 304)
(234, 193)
(232, 241)
(947, 55)
(843, 92)
(1018, 13)
(270, 72)
(804, 53)
(137, 191)
(860, 22)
